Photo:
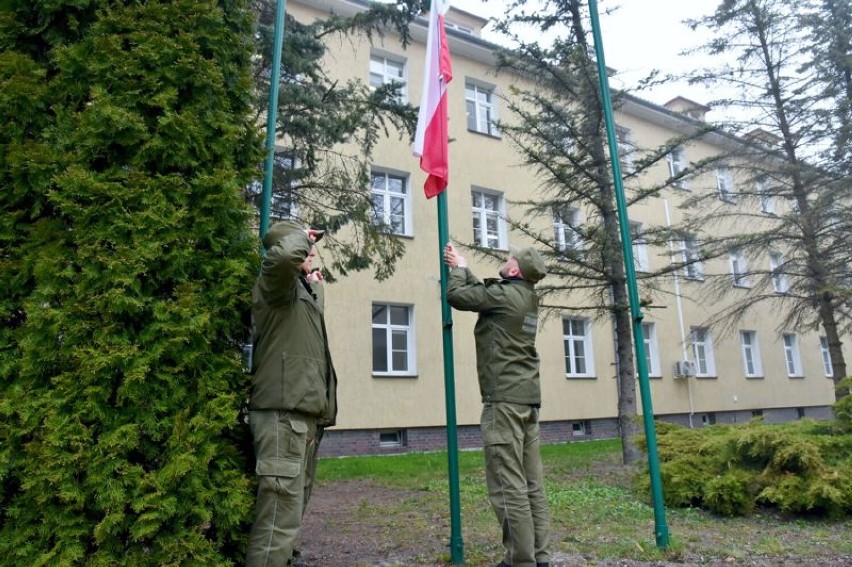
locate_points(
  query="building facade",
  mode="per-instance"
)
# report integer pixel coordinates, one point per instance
(386, 336)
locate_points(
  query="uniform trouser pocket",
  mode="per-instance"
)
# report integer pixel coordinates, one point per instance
(280, 444)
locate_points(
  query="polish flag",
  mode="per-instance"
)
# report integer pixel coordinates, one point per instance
(430, 140)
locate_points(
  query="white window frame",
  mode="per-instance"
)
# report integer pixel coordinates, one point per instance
(752, 365)
(780, 283)
(387, 195)
(792, 355)
(676, 160)
(739, 268)
(481, 235)
(626, 149)
(827, 367)
(565, 223)
(581, 428)
(383, 71)
(282, 160)
(651, 349)
(702, 351)
(693, 267)
(767, 201)
(389, 329)
(570, 340)
(481, 114)
(725, 184)
(639, 246)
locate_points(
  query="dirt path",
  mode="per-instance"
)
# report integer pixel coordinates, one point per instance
(350, 524)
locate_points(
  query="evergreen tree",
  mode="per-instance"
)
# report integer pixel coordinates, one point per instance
(788, 99)
(125, 267)
(328, 131)
(558, 130)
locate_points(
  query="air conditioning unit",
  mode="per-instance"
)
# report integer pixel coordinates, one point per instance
(684, 368)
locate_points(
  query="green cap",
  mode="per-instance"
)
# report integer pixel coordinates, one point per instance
(530, 263)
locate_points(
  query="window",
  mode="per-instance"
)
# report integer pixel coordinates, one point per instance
(702, 349)
(693, 266)
(755, 413)
(652, 350)
(565, 224)
(384, 71)
(779, 280)
(393, 340)
(677, 164)
(739, 268)
(626, 150)
(391, 202)
(640, 247)
(826, 357)
(283, 203)
(489, 226)
(751, 354)
(767, 201)
(581, 428)
(578, 348)
(481, 109)
(792, 356)
(394, 438)
(463, 29)
(725, 185)
(708, 418)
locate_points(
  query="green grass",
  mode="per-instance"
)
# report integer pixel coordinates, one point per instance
(595, 507)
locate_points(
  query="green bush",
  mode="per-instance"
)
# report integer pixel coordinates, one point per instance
(803, 467)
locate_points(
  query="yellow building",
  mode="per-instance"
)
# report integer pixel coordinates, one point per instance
(386, 336)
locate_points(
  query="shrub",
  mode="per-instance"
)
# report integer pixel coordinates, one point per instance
(799, 467)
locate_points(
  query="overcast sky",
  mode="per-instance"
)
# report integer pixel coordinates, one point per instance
(640, 36)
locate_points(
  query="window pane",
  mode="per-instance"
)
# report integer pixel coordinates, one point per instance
(489, 202)
(397, 206)
(398, 315)
(399, 340)
(396, 184)
(471, 116)
(380, 350)
(476, 196)
(378, 182)
(400, 361)
(380, 313)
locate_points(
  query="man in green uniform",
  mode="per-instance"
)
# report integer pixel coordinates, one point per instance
(294, 390)
(507, 365)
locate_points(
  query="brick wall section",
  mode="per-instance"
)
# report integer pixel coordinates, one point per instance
(366, 441)
(355, 442)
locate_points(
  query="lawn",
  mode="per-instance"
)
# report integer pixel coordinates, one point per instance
(394, 511)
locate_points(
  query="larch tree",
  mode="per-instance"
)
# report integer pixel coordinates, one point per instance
(783, 185)
(557, 128)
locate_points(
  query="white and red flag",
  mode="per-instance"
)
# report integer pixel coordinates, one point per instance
(431, 138)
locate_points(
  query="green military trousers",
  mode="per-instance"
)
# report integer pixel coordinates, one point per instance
(513, 472)
(285, 446)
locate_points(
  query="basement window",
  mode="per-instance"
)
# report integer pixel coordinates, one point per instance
(394, 438)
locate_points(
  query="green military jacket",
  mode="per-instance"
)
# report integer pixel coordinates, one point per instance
(506, 359)
(291, 363)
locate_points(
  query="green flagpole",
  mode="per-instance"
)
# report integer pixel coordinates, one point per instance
(456, 542)
(272, 116)
(661, 529)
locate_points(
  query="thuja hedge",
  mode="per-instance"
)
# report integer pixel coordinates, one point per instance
(125, 265)
(802, 467)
